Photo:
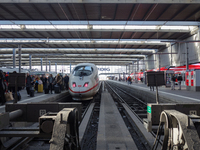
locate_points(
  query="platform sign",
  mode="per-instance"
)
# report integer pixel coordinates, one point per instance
(149, 109)
(193, 112)
(42, 112)
(19, 77)
(155, 78)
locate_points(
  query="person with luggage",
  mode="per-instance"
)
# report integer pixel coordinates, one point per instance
(2, 88)
(12, 89)
(59, 80)
(29, 82)
(50, 81)
(173, 82)
(179, 81)
(36, 83)
(66, 80)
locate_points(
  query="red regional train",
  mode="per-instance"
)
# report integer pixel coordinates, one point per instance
(177, 70)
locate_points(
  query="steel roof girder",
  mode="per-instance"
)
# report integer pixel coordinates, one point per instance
(105, 1)
(71, 22)
(96, 30)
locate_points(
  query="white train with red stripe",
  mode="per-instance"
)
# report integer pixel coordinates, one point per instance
(84, 81)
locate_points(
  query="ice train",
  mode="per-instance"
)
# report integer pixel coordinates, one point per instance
(84, 81)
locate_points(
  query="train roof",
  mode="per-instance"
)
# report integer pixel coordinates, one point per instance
(89, 64)
(38, 72)
(10, 70)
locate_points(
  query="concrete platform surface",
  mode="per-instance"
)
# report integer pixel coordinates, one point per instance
(38, 97)
(112, 131)
(176, 96)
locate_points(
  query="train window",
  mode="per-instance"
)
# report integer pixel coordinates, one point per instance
(83, 71)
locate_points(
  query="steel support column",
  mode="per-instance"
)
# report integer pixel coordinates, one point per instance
(187, 58)
(144, 65)
(41, 65)
(49, 65)
(46, 63)
(171, 53)
(14, 58)
(56, 68)
(70, 67)
(30, 61)
(159, 61)
(19, 54)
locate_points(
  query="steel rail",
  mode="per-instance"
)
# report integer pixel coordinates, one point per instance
(123, 101)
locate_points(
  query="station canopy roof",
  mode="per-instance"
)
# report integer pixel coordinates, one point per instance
(103, 32)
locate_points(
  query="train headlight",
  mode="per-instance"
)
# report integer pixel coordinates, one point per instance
(73, 84)
(86, 84)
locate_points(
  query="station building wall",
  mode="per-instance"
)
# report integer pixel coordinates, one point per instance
(178, 59)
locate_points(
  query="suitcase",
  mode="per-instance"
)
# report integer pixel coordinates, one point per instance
(32, 93)
(62, 87)
(40, 88)
(57, 89)
(46, 91)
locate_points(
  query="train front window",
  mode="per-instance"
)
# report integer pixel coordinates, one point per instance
(83, 71)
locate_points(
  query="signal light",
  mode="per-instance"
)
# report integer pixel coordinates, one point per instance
(86, 84)
(73, 84)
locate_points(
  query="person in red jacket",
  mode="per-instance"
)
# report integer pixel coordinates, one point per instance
(129, 80)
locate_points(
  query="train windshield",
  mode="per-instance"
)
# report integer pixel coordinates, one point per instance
(83, 71)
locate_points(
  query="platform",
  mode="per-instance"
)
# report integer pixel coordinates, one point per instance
(166, 95)
(38, 97)
(112, 131)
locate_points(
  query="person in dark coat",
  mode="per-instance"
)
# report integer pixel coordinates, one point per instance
(173, 82)
(2, 88)
(66, 80)
(43, 81)
(29, 82)
(179, 81)
(59, 80)
(50, 81)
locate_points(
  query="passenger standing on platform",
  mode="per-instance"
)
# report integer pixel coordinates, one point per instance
(173, 82)
(179, 81)
(141, 79)
(43, 81)
(6, 76)
(2, 88)
(129, 80)
(66, 80)
(59, 80)
(29, 82)
(151, 88)
(36, 83)
(50, 80)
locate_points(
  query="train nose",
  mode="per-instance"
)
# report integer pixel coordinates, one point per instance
(80, 95)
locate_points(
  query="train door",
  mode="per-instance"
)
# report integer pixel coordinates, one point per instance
(187, 78)
(192, 78)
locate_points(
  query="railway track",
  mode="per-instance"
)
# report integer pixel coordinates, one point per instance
(32, 143)
(122, 96)
(89, 139)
